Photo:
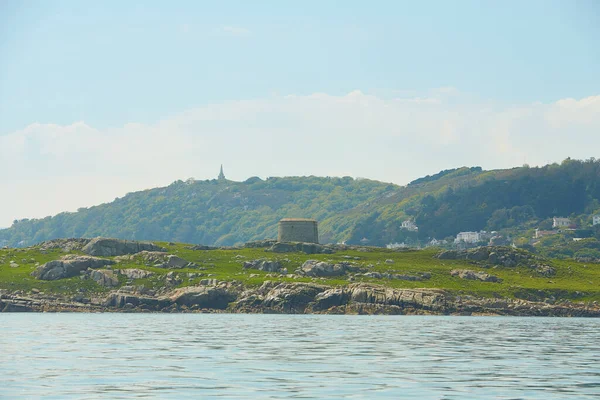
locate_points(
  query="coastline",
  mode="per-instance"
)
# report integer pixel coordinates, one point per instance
(296, 298)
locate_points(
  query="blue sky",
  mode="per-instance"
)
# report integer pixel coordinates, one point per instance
(113, 62)
(116, 96)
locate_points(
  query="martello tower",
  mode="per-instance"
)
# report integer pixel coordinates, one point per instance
(298, 230)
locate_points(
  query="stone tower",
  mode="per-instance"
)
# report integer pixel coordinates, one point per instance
(221, 174)
(298, 230)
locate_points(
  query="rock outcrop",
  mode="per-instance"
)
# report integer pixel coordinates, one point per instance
(502, 256)
(316, 268)
(474, 276)
(158, 259)
(263, 265)
(274, 297)
(294, 297)
(308, 248)
(68, 266)
(104, 277)
(203, 297)
(135, 273)
(66, 245)
(104, 247)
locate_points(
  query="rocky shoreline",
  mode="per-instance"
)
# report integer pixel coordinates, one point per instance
(293, 298)
(111, 275)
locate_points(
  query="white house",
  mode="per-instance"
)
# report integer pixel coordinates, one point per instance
(409, 225)
(468, 237)
(596, 219)
(558, 222)
(396, 245)
(435, 242)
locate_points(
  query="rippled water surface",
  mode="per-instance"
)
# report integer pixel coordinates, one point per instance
(296, 356)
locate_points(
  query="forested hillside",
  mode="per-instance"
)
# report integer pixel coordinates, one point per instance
(224, 212)
(217, 212)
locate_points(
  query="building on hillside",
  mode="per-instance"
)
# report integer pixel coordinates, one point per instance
(435, 242)
(596, 219)
(409, 225)
(221, 174)
(396, 245)
(468, 237)
(559, 222)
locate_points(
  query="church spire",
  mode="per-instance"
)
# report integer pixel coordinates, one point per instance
(221, 174)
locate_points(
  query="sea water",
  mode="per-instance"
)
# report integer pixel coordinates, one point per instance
(215, 356)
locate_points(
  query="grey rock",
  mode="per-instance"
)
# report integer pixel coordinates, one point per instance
(263, 265)
(316, 268)
(104, 277)
(261, 243)
(105, 247)
(176, 262)
(172, 279)
(330, 298)
(203, 297)
(202, 247)
(291, 297)
(66, 245)
(473, 275)
(545, 270)
(308, 248)
(68, 266)
(135, 273)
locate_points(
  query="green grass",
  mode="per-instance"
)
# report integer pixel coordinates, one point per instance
(580, 281)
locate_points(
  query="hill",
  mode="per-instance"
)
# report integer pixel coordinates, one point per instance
(222, 212)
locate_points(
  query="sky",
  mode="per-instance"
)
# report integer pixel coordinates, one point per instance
(98, 99)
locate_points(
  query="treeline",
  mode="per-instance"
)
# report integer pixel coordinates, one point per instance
(351, 210)
(209, 212)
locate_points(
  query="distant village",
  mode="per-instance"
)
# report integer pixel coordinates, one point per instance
(483, 238)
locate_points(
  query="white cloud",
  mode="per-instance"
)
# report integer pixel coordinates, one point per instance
(48, 168)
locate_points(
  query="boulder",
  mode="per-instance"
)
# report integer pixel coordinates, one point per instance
(162, 260)
(473, 275)
(545, 270)
(478, 254)
(263, 265)
(203, 297)
(66, 245)
(426, 299)
(330, 298)
(308, 248)
(104, 277)
(317, 268)
(261, 243)
(448, 255)
(291, 297)
(135, 273)
(121, 298)
(176, 262)
(105, 247)
(172, 279)
(68, 266)
(202, 247)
